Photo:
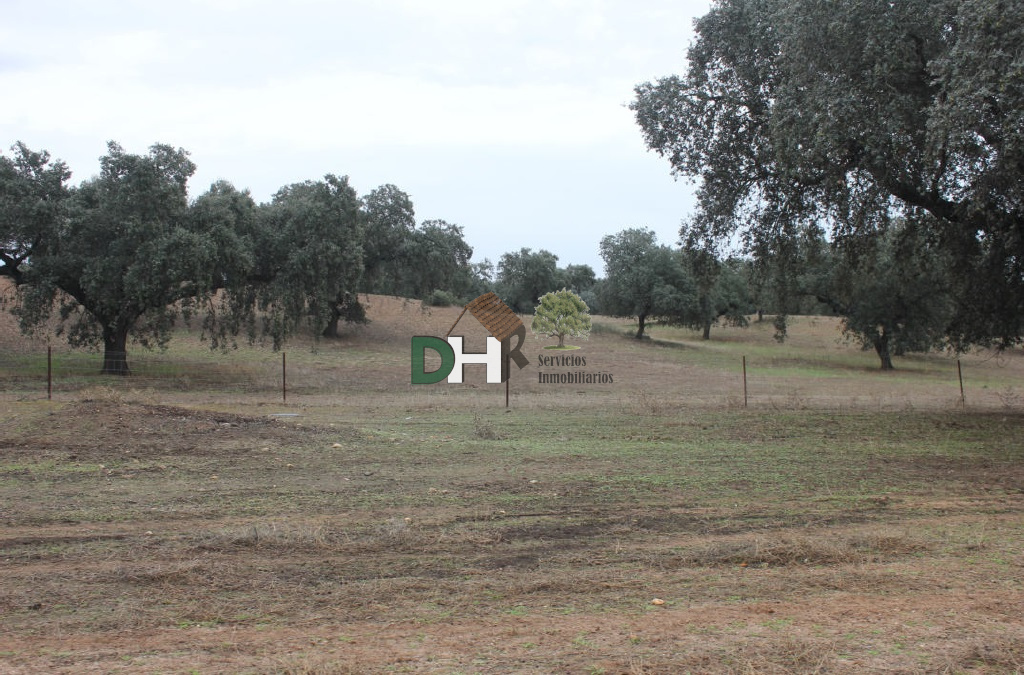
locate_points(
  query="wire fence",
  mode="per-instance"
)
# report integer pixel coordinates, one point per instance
(50, 373)
(53, 372)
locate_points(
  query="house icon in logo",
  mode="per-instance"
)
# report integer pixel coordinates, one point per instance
(502, 324)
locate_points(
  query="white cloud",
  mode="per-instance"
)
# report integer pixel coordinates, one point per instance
(124, 53)
(504, 115)
(335, 109)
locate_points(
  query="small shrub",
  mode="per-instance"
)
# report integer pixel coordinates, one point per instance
(441, 298)
(485, 430)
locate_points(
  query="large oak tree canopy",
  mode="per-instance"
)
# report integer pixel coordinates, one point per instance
(309, 256)
(856, 114)
(113, 253)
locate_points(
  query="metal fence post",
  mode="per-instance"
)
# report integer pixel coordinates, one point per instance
(744, 381)
(960, 376)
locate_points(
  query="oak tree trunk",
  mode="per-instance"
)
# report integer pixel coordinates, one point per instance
(115, 351)
(881, 342)
(331, 329)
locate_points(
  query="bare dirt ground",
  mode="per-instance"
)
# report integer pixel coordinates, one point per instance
(645, 526)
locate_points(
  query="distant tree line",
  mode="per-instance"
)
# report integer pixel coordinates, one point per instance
(121, 255)
(861, 159)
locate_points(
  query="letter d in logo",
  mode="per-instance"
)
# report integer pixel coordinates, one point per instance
(420, 345)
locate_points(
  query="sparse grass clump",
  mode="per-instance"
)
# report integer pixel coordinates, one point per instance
(803, 549)
(486, 430)
(271, 535)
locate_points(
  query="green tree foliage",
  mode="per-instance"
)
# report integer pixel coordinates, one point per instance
(228, 216)
(33, 205)
(310, 257)
(524, 276)
(123, 253)
(390, 223)
(579, 278)
(644, 280)
(562, 313)
(892, 289)
(593, 297)
(436, 257)
(430, 262)
(722, 292)
(481, 278)
(124, 250)
(786, 284)
(583, 280)
(852, 114)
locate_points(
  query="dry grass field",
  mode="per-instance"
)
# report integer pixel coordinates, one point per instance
(187, 520)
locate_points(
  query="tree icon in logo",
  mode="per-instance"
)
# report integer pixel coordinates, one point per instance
(560, 314)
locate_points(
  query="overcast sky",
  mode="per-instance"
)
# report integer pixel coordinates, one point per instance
(507, 117)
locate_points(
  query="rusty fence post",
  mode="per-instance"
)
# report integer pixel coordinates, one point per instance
(744, 381)
(960, 376)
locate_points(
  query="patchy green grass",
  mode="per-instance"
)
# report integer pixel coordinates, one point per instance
(460, 515)
(380, 527)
